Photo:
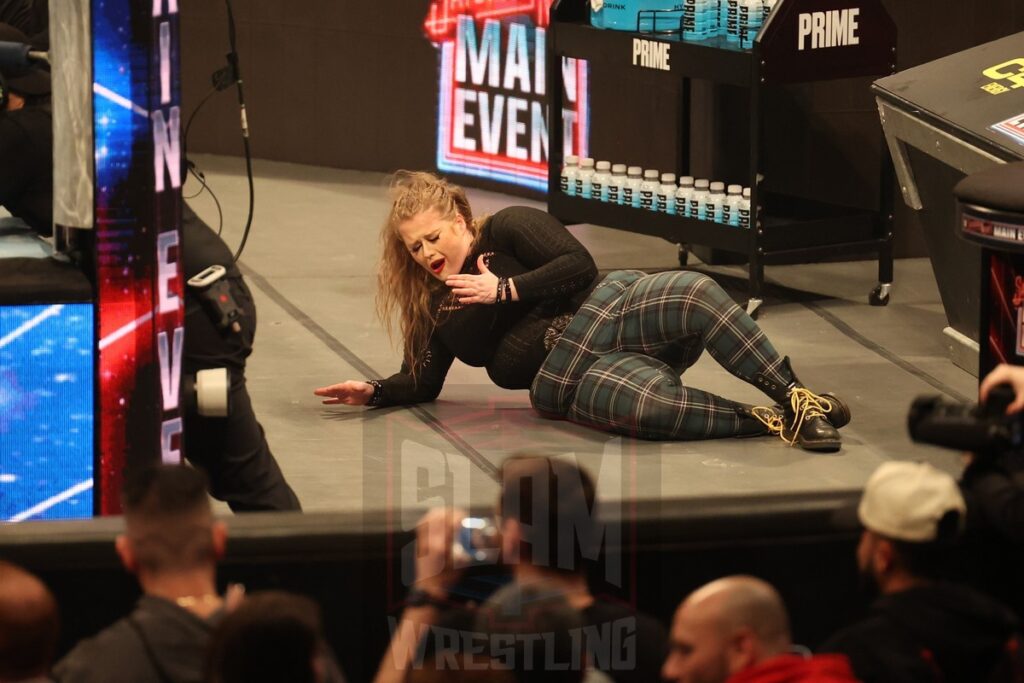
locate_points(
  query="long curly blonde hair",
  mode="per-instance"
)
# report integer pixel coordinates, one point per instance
(404, 288)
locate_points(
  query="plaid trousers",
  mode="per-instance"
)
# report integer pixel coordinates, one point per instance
(617, 366)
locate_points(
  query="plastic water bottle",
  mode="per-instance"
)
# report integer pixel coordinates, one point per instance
(665, 198)
(744, 210)
(712, 12)
(702, 19)
(617, 184)
(713, 203)
(732, 27)
(749, 22)
(769, 5)
(599, 181)
(683, 195)
(731, 208)
(698, 198)
(583, 177)
(631, 190)
(569, 172)
(691, 19)
(648, 188)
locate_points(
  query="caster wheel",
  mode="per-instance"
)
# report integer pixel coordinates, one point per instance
(880, 295)
(754, 307)
(684, 256)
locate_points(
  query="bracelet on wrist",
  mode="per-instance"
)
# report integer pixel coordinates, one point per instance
(378, 392)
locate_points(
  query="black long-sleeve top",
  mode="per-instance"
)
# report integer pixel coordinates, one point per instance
(553, 275)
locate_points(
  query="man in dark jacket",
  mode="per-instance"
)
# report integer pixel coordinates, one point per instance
(922, 628)
(172, 544)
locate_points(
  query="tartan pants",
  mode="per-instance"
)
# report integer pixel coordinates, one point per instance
(617, 366)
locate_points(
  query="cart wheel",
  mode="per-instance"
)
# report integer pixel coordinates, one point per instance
(880, 295)
(754, 307)
(684, 255)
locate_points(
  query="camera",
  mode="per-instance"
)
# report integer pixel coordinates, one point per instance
(477, 543)
(983, 429)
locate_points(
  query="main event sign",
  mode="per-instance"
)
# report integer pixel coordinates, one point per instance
(492, 96)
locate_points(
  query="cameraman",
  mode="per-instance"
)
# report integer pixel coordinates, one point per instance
(993, 487)
(232, 450)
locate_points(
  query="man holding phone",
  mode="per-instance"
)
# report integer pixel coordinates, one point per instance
(545, 513)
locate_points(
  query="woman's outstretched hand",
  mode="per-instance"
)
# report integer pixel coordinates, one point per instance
(475, 289)
(350, 393)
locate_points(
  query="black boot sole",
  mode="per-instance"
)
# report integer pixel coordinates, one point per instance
(818, 446)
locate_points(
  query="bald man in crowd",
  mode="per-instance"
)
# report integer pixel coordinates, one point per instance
(736, 629)
(28, 627)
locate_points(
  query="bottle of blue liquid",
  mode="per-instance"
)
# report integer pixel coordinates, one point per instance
(569, 172)
(732, 27)
(583, 176)
(715, 18)
(698, 198)
(665, 197)
(599, 181)
(631, 190)
(751, 16)
(691, 16)
(731, 208)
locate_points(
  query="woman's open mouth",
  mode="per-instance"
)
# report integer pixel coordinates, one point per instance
(437, 266)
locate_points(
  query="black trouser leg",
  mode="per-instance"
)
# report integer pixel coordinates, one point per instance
(235, 455)
(232, 450)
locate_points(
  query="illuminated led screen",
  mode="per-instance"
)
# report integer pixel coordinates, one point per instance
(137, 120)
(492, 93)
(46, 412)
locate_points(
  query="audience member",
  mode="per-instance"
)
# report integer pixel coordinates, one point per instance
(28, 627)
(736, 629)
(272, 637)
(921, 628)
(172, 544)
(993, 487)
(534, 631)
(548, 530)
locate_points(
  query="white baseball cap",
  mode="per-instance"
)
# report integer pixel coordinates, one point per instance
(906, 500)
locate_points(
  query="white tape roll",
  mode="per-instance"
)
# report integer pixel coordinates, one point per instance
(212, 392)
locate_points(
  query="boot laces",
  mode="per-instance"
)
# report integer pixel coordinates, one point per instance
(771, 418)
(806, 406)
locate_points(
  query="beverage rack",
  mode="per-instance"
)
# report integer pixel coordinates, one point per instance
(783, 229)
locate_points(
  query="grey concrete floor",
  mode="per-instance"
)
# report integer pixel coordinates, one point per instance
(311, 260)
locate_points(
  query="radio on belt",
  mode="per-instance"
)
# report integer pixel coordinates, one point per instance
(215, 294)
